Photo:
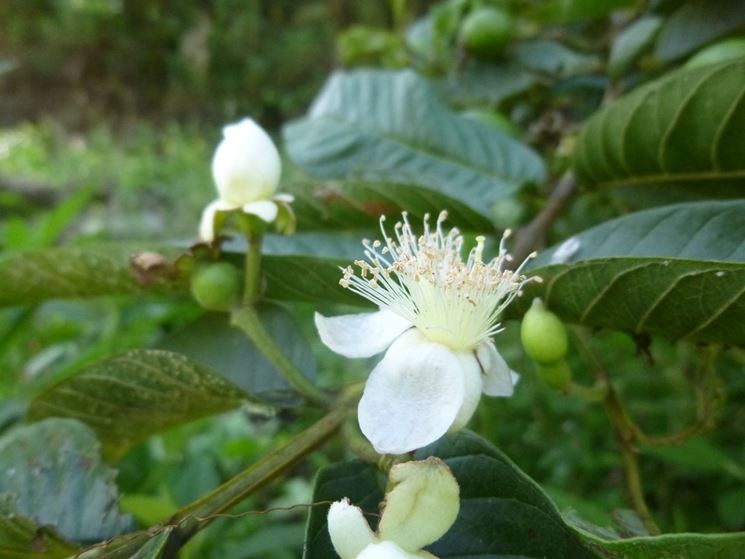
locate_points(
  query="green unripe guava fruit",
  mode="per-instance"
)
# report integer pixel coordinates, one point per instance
(729, 49)
(485, 32)
(216, 286)
(543, 334)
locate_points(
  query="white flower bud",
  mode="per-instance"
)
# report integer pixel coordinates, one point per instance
(422, 505)
(246, 165)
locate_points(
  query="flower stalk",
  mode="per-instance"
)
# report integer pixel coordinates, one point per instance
(248, 321)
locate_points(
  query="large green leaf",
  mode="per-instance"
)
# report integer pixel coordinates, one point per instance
(677, 272)
(212, 341)
(52, 474)
(683, 129)
(86, 271)
(304, 267)
(391, 127)
(696, 23)
(504, 514)
(128, 397)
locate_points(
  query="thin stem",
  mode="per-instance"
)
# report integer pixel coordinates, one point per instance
(248, 321)
(625, 438)
(528, 238)
(252, 272)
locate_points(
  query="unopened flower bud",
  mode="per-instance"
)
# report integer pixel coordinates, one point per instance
(543, 335)
(422, 505)
(246, 165)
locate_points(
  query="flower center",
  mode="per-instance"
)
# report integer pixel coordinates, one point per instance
(425, 280)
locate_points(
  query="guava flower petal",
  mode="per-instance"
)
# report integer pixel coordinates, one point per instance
(498, 379)
(265, 209)
(387, 550)
(413, 395)
(246, 166)
(360, 335)
(472, 388)
(422, 506)
(349, 531)
(207, 222)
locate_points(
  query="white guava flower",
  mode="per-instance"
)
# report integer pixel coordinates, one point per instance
(246, 168)
(437, 316)
(420, 508)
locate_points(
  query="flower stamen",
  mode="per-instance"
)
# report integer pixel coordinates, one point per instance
(425, 280)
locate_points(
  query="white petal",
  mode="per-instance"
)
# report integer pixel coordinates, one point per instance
(360, 335)
(284, 197)
(207, 222)
(349, 531)
(385, 550)
(472, 387)
(265, 209)
(246, 165)
(412, 396)
(498, 379)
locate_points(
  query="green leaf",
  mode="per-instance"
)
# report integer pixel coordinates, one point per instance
(128, 397)
(631, 42)
(553, 58)
(213, 342)
(22, 538)
(358, 204)
(391, 127)
(53, 473)
(30, 276)
(481, 83)
(677, 272)
(697, 23)
(671, 546)
(303, 267)
(577, 10)
(504, 513)
(680, 130)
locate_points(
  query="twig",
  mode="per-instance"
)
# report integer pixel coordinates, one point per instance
(528, 238)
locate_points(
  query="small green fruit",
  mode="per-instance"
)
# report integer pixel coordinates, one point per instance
(543, 335)
(485, 32)
(729, 49)
(216, 286)
(556, 375)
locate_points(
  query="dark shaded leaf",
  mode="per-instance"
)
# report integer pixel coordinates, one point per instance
(696, 23)
(213, 342)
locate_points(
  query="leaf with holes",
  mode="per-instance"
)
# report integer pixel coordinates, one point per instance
(677, 272)
(390, 127)
(51, 473)
(683, 129)
(128, 397)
